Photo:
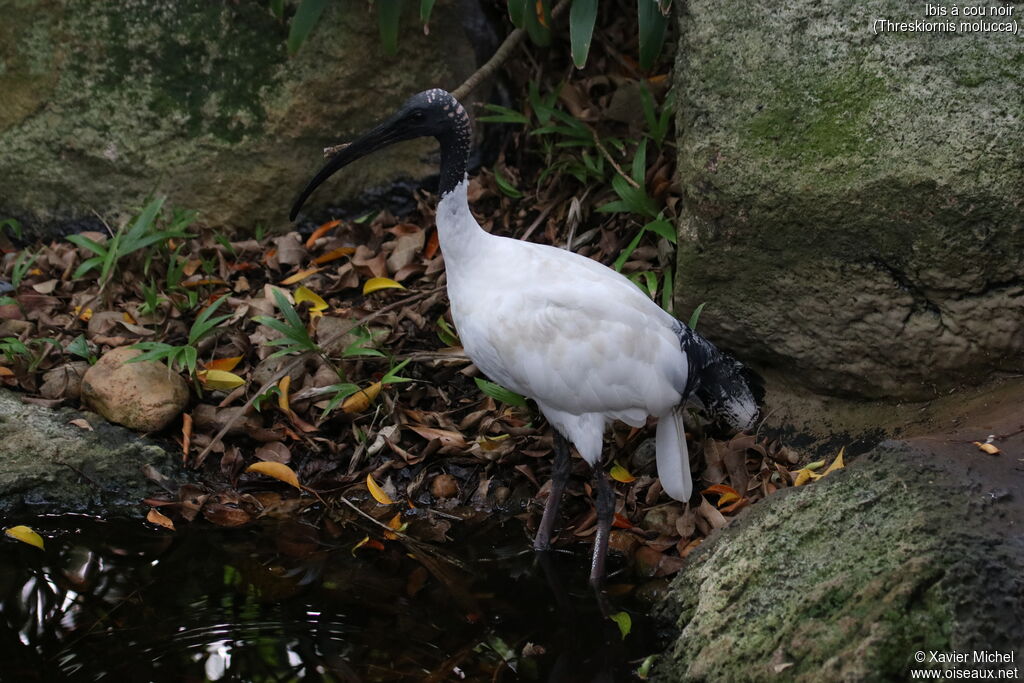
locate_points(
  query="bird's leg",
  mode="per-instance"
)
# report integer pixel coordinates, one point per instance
(605, 504)
(559, 476)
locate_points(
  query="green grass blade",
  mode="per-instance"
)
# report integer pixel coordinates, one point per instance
(305, 19)
(582, 16)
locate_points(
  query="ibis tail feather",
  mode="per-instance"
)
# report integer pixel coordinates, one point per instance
(673, 457)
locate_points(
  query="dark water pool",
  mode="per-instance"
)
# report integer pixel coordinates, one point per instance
(118, 601)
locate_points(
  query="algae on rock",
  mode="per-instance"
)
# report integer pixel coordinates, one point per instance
(852, 201)
(106, 103)
(848, 578)
(48, 465)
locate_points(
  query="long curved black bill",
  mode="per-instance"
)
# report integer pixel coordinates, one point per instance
(381, 136)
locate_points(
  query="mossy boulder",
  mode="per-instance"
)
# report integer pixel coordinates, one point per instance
(105, 103)
(848, 578)
(852, 200)
(48, 465)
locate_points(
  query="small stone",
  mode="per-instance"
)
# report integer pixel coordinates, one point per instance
(143, 396)
(444, 486)
(662, 520)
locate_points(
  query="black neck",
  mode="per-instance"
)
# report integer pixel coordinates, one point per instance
(454, 159)
(456, 138)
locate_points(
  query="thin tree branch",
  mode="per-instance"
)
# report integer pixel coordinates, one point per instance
(501, 54)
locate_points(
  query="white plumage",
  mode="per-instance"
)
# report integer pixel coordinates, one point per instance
(578, 338)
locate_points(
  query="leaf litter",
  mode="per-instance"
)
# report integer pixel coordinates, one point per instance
(335, 389)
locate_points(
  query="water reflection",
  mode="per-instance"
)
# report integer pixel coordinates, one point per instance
(113, 601)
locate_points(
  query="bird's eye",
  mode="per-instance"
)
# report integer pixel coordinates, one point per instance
(418, 114)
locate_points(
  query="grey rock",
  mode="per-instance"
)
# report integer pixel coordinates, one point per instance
(852, 201)
(51, 466)
(108, 102)
(908, 549)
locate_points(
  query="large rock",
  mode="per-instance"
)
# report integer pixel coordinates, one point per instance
(48, 465)
(144, 395)
(916, 546)
(107, 102)
(852, 200)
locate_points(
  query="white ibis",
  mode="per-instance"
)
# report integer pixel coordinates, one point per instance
(585, 343)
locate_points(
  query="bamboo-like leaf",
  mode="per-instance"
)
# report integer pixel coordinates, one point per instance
(275, 470)
(306, 294)
(582, 16)
(25, 535)
(305, 19)
(620, 473)
(361, 400)
(379, 494)
(426, 7)
(500, 393)
(389, 14)
(652, 24)
(517, 12)
(220, 379)
(695, 316)
(299, 276)
(376, 283)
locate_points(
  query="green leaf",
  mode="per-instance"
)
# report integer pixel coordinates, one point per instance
(446, 333)
(666, 290)
(80, 347)
(12, 225)
(506, 186)
(205, 322)
(582, 16)
(305, 19)
(662, 228)
(517, 12)
(86, 243)
(342, 391)
(630, 248)
(277, 9)
(652, 25)
(624, 622)
(640, 163)
(392, 376)
(500, 393)
(389, 14)
(539, 33)
(503, 115)
(695, 316)
(426, 7)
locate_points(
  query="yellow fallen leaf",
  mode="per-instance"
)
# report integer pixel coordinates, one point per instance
(159, 518)
(127, 317)
(837, 464)
(225, 364)
(299, 276)
(25, 535)
(375, 283)
(220, 379)
(368, 543)
(276, 470)
(805, 475)
(989, 448)
(361, 400)
(620, 473)
(283, 402)
(333, 255)
(304, 293)
(396, 524)
(379, 494)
